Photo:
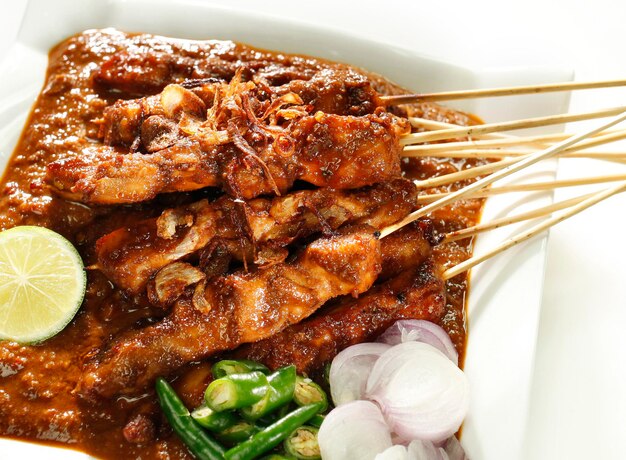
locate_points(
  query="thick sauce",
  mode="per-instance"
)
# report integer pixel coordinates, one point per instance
(37, 382)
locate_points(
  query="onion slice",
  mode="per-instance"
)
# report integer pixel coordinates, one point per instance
(417, 330)
(425, 450)
(354, 431)
(423, 395)
(350, 370)
(397, 452)
(417, 450)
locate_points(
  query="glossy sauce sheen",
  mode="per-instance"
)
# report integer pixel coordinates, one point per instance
(36, 382)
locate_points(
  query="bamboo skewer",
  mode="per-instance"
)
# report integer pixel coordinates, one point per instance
(508, 220)
(509, 141)
(535, 230)
(465, 174)
(506, 171)
(494, 92)
(452, 133)
(498, 153)
(534, 187)
(488, 168)
(433, 125)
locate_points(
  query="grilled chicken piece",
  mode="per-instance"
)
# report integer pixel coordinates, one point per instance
(130, 256)
(328, 151)
(106, 175)
(418, 293)
(332, 91)
(341, 92)
(239, 136)
(242, 307)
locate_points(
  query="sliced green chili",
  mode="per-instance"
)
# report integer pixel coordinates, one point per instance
(280, 392)
(214, 421)
(302, 443)
(237, 433)
(232, 366)
(235, 391)
(309, 392)
(273, 435)
(199, 442)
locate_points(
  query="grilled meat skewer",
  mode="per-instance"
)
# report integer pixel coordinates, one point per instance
(235, 309)
(130, 256)
(248, 142)
(417, 293)
(332, 91)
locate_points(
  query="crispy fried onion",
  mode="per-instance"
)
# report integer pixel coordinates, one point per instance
(171, 281)
(173, 219)
(258, 114)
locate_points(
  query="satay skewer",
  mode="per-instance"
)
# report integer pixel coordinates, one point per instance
(520, 164)
(535, 230)
(416, 138)
(532, 187)
(508, 220)
(509, 141)
(434, 125)
(491, 167)
(617, 157)
(495, 92)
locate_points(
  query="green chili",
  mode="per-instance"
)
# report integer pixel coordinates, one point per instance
(308, 392)
(237, 433)
(280, 392)
(273, 435)
(235, 391)
(270, 418)
(214, 421)
(302, 443)
(198, 441)
(317, 420)
(231, 366)
(276, 457)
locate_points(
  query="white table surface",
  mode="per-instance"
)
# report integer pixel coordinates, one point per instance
(578, 404)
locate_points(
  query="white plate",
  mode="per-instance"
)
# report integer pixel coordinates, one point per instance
(505, 295)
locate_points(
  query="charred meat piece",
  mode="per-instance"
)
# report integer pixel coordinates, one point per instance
(331, 89)
(108, 175)
(239, 308)
(329, 151)
(248, 140)
(338, 92)
(141, 73)
(341, 92)
(123, 122)
(417, 293)
(130, 256)
(408, 247)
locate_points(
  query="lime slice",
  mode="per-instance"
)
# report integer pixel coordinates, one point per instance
(42, 283)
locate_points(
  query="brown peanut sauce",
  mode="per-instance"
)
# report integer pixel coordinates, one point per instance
(37, 401)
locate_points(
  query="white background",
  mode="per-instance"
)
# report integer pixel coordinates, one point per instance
(578, 404)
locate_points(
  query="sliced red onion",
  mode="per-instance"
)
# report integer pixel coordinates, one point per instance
(422, 394)
(354, 431)
(417, 330)
(351, 368)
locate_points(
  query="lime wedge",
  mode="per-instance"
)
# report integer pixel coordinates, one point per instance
(42, 283)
